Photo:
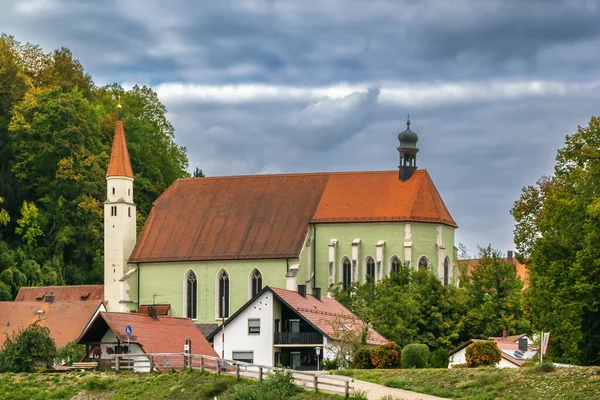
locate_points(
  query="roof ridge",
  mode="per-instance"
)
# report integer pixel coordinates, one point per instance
(288, 174)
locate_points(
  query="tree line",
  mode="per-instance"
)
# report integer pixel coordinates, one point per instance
(56, 130)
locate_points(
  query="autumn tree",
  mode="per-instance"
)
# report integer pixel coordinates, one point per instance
(558, 231)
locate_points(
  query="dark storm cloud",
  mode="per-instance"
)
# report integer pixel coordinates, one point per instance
(492, 86)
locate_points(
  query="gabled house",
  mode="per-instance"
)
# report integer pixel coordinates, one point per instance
(285, 327)
(515, 350)
(150, 333)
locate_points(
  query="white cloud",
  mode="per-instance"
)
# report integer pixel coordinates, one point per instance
(397, 93)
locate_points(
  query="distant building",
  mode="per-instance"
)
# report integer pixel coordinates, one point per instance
(522, 271)
(211, 244)
(64, 310)
(515, 350)
(285, 327)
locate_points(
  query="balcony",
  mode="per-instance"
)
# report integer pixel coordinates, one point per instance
(313, 338)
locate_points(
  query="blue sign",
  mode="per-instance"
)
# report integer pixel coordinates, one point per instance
(128, 330)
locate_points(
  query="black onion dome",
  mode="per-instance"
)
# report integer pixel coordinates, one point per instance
(408, 139)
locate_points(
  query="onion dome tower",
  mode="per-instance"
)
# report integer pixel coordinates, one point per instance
(408, 152)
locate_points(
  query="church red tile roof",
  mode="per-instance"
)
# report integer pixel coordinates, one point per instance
(62, 293)
(119, 164)
(65, 319)
(327, 314)
(267, 216)
(164, 335)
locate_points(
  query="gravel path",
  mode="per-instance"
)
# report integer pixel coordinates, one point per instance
(376, 392)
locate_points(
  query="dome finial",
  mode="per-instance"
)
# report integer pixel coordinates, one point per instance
(408, 120)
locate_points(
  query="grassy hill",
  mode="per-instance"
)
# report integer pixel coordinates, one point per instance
(491, 383)
(98, 385)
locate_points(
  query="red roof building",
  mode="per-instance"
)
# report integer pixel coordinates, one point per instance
(65, 319)
(61, 293)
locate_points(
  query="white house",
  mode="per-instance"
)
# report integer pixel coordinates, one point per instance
(289, 328)
(515, 350)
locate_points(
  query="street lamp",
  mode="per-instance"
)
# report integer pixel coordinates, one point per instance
(318, 350)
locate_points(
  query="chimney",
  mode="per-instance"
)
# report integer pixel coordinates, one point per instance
(49, 298)
(317, 293)
(509, 255)
(504, 333)
(523, 344)
(302, 290)
(152, 312)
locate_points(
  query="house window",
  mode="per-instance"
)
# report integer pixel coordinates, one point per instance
(223, 294)
(370, 269)
(446, 267)
(395, 265)
(294, 325)
(253, 326)
(346, 274)
(255, 283)
(243, 356)
(191, 295)
(423, 262)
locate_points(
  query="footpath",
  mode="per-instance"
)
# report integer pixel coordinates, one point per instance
(376, 392)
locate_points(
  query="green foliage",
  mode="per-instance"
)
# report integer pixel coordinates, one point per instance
(70, 353)
(330, 364)
(278, 385)
(27, 350)
(362, 359)
(415, 355)
(358, 395)
(395, 383)
(557, 230)
(56, 131)
(539, 368)
(386, 356)
(494, 293)
(438, 359)
(483, 354)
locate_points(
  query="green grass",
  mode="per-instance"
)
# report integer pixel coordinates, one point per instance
(491, 383)
(110, 385)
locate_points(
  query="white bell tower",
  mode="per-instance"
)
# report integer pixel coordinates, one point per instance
(119, 221)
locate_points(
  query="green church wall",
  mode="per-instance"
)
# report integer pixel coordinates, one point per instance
(163, 283)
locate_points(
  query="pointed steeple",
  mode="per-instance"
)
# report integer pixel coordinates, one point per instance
(119, 164)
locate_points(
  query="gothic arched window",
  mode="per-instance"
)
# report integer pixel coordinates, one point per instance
(255, 282)
(423, 262)
(223, 294)
(346, 274)
(191, 295)
(395, 265)
(446, 267)
(370, 269)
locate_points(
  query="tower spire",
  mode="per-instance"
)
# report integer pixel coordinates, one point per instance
(120, 164)
(408, 152)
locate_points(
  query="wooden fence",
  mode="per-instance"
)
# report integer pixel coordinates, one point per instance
(317, 381)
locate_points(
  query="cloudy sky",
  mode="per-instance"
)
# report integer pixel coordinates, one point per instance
(266, 86)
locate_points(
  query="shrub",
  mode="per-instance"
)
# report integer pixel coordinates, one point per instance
(362, 359)
(277, 385)
(329, 364)
(483, 354)
(27, 350)
(358, 395)
(415, 356)
(545, 366)
(386, 356)
(438, 359)
(72, 352)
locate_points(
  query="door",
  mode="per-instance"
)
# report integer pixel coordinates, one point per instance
(295, 331)
(295, 364)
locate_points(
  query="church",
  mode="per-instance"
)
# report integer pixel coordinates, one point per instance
(211, 244)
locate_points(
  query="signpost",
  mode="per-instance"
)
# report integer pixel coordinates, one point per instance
(128, 332)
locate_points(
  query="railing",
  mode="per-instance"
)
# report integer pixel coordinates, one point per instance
(298, 338)
(181, 361)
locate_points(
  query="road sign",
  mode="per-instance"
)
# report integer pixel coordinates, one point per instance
(128, 330)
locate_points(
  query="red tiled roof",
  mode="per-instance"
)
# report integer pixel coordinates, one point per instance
(64, 319)
(165, 335)
(502, 345)
(507, 339)
(62, 293)
(327, 314)
(267, 216)
(119, 164)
